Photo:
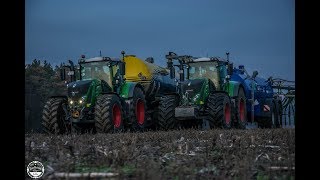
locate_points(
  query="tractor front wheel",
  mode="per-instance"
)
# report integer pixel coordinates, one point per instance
(53, 116)
(166, 109)
(220, 111)
(108, 114)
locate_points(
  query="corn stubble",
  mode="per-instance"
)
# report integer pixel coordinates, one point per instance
(180, 154)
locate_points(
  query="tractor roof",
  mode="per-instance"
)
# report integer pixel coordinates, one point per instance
(96, 59)
(201, 59)
(206, 59)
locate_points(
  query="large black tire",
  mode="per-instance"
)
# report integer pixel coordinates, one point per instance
(210, 111)
(108, 114)
(53, 116)
(165, 113)
(138, 111)
(220, 111)
(241, 110)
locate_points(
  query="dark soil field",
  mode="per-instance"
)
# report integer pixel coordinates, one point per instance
(185, 154)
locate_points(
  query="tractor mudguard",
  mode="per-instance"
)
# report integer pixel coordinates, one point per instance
(233, 88)
(128, 88)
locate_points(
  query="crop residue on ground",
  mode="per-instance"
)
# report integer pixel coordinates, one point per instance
(191, 154)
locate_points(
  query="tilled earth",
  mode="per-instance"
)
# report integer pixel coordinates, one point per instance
(181, 154)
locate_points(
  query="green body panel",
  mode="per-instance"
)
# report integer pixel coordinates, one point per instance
(232, 88)
(93, 92)
(199, 97)
(95, 89)
(89, 97)
(202, 95)
(127, 89)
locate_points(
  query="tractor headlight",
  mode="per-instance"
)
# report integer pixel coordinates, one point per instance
(71, 102)
(80, 101)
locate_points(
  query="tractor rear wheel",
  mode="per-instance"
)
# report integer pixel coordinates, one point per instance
(108, 114)
(210, 111)
(138, 111)
(241, 110)
(165, 113)
(220, 111)
(53, 116)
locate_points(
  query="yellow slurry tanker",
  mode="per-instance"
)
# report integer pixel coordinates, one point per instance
(110, 95)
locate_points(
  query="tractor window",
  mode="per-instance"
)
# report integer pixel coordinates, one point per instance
(223, 71)
(204, 70)
(116, 70)
(96, 70)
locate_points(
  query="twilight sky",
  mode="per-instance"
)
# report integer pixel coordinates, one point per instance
(259, 34)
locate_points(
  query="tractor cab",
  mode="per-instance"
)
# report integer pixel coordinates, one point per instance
(108, 70)
(210, 68)
(203, 75)
(97, 70)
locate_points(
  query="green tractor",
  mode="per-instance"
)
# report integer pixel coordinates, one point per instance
(206, 93)
(109, 96)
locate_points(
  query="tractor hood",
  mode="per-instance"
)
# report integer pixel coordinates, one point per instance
(87, 91)
(78, 89)
(195, 91)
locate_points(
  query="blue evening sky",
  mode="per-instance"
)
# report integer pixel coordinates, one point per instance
(259, 34)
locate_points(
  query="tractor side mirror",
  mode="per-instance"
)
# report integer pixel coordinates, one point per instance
(254, 74)
(62, 74)
(122, 68)
(171, 55)
(230, 69)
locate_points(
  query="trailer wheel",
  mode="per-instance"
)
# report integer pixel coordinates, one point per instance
(53, 116)
(241, 109)
(138, 110)
(108, 114)
(165, 114)
(220, 111)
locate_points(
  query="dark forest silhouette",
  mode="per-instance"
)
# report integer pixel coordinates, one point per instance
(41, 82)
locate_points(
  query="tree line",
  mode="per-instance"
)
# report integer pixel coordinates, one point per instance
(41, 82)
